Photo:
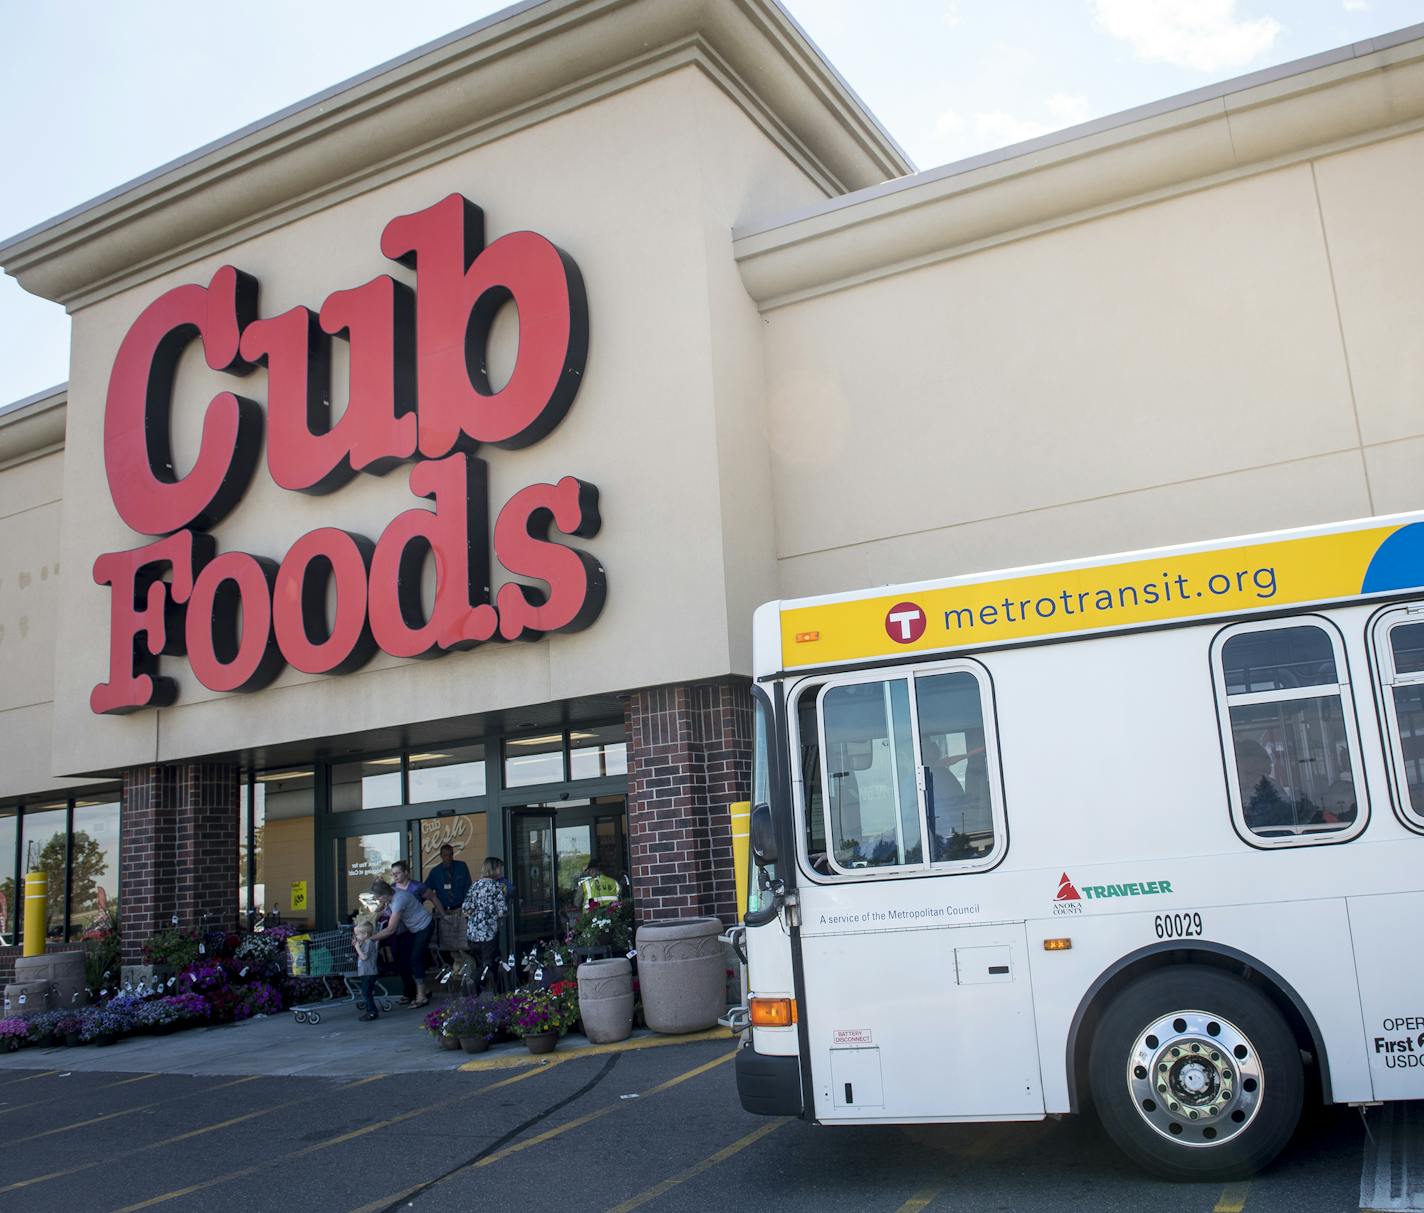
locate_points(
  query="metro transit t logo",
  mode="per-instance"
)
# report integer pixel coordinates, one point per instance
(905, 623)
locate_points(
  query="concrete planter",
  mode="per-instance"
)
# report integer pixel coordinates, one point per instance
(605, 995)
(682, 974)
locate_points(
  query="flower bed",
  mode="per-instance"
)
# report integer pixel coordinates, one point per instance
(216, 978)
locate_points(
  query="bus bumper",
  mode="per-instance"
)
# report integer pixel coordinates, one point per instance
(768, 1086)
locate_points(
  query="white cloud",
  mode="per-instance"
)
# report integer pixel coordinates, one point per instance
(1357, 6)
(1205, 35)
(951, 122)
(951, 14)
(1067, 110)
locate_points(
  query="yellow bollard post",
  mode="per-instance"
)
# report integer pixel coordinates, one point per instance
(36, 897)
(741, 814)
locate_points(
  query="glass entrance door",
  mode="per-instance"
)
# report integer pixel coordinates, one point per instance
(535, 912)
(552, 846)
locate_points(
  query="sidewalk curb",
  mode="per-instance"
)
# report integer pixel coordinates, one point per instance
(650, 1041)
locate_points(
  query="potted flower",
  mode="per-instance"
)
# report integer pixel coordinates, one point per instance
(102, 1026)
(435, 1022)
(477, 1022)
(539, 1015)
(259, 998)
(68, 1025)
(602, 931)
(13, 1033)
(189, 1008)
(159, 1015)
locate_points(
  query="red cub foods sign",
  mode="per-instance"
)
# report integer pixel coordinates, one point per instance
(419, 394)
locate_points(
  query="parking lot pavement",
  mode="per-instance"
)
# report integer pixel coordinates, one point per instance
(656, 1129)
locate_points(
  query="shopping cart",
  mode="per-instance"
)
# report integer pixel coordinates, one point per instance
(328, 957)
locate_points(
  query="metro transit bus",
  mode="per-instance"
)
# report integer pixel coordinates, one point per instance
(1142, 833)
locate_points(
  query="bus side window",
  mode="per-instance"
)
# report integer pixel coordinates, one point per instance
(1290, 733)
(1400, 648)
(958, 805)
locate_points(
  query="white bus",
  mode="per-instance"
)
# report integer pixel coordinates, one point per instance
(1139, 833)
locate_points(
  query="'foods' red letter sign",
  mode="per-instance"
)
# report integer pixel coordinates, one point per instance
(419, 391)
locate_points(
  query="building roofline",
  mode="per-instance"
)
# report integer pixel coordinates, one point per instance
(33, 425)
(1109, 122)
(534, 60)
(1331, 101)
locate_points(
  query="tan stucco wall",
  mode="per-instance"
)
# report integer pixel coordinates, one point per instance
(642, 189)
(29, 602)
(1240, 358)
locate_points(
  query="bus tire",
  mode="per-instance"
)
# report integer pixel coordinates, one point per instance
(1195, 1075)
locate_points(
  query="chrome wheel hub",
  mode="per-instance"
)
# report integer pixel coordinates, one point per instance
(1195, 1078)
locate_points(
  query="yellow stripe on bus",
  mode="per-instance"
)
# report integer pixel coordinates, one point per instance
(1157, 589)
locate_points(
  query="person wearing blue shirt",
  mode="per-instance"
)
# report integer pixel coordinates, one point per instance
(449, 880)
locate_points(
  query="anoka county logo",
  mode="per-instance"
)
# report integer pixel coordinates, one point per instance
(1068, 900)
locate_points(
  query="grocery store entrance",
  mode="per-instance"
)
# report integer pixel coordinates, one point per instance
(550, 846)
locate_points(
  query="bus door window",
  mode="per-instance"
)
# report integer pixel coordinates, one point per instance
(1291, 730)
(1401, 662)
(872, 800)
(809, 757)
(959, 809)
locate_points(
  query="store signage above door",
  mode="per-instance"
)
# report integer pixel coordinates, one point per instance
(419, 393)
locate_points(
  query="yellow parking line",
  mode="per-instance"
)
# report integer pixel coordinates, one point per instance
(633, 1044)
(339, 1139)
(79, 1124)
(598, 1113)
(919, 1200)
(29, 1078)
(123, 1082)
(191, 1133)
(707, 1164)
(360, 1082)
(1233, 1198)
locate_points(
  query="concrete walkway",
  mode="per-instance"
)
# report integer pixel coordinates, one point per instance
(339, 1046)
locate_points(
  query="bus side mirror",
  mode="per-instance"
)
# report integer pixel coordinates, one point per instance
(763, 836)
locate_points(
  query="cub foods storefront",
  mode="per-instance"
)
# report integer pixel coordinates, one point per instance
(428, 445)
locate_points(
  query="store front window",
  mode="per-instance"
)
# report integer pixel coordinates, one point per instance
(598, 752)
(94, 868)
(360, 859)
(534, 760)
(76, 844)
(371, 783)
(447, 774)
(42, 847)
(278, 847)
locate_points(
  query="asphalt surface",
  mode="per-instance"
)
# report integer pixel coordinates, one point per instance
(567, 1137)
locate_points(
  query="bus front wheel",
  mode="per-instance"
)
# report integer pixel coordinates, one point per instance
(1195, 1075)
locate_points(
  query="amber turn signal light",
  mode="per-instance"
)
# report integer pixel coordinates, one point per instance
(1057, 945)
(772, 1012)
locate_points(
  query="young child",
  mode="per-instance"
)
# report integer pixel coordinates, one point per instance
(366, 949)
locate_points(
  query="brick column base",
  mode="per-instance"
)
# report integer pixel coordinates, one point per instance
(178, 854)
(689, 757)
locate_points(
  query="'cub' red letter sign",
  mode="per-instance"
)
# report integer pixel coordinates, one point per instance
(419, 391)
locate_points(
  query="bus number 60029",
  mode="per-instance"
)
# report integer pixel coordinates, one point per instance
(1175, 926)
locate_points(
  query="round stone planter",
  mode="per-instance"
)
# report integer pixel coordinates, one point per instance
(474, 1044)
(448, 1042)
(682, 974)
(605, 995)
(541, 1042)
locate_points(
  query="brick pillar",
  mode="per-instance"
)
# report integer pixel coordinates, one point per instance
(689, 757)
(179, 850)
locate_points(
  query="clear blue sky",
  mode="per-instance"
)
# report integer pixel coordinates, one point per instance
(96, 93)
